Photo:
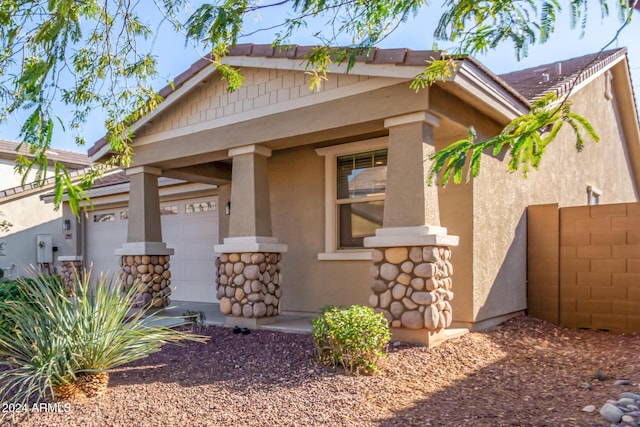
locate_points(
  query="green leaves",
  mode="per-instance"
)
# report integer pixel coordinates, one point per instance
(84, 54)
(5, 225)
(94, 55)
(436, 70)
(477, 27)
(355, 338)
(47, 338)
(526, 138)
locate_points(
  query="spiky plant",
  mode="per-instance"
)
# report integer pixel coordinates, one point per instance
(56, 341)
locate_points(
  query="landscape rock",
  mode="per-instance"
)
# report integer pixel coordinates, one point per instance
(412, 320)
(611, 413)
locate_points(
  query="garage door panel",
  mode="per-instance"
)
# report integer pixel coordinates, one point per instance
(191, 235)
(200, 230)
(196, 271)
(196, 291)
(106, 230)
(199, 250)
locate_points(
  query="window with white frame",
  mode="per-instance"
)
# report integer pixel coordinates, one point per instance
(355, 184)
(360, 189)
(169, 210)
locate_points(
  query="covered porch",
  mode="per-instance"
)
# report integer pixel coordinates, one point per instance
(290, 243)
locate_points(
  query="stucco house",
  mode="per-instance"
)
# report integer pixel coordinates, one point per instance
(36, 235)
(274, 198)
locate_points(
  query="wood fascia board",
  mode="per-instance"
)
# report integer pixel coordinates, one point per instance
(359, 68)
(628, 113)
(480, 86)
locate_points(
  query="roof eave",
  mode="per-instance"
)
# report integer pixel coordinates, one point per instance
(99, 152)
(486, 88)
(627, 109)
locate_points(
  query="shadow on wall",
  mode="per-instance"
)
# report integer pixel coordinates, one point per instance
(508, 291)
(18, 250)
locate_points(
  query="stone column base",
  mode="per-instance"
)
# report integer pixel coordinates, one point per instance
(412, 281)
(151, 276)
(248, 286)
(70, 270)
(145, 265)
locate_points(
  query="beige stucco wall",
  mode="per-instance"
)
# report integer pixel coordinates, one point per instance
(10, 179)
(296, 182)
(30, 216)
(501, 198)
(262, 88)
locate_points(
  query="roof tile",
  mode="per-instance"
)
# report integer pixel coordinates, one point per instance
(243, 49)
(389, 56)
(559, 76)
(262, 50)
(285, 51)
(420, 57)
(70, 159)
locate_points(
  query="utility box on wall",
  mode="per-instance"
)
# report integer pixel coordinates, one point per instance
(44, 248)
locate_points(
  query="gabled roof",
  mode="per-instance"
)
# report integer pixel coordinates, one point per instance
(70, 159)
(517, 89)
(119, 177)
(560, 76)
(399, 63)
(75, 162)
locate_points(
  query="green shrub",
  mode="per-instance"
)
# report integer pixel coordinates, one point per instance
(8, 290)
(355, 338)
(18, 290)
(54, 338)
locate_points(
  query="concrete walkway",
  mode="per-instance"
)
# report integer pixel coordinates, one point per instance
(291, 323)
(284, 323)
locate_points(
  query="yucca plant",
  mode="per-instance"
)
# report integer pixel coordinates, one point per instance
(62, 345)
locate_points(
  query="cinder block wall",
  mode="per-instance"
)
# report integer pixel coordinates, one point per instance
(543, 262)
(598, 285)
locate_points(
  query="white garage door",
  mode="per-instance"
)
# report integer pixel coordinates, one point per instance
(190, 227)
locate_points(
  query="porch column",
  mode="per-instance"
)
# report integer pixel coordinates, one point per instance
(412, 257)
(144, 258)
(248, 282)
(71, 261)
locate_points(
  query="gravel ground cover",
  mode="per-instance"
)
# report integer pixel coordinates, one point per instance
(526, 372)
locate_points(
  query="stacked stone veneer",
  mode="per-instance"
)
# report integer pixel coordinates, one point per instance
(412, 286)
(68, 272)
(248, 284)
(151, 275)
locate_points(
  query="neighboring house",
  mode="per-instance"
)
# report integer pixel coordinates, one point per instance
(36, 235)
(294, 188)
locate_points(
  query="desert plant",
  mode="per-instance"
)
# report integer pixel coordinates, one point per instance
(355, 338)
(61, 345)
(195, 318)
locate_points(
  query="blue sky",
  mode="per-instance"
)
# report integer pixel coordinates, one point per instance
(174, 57)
